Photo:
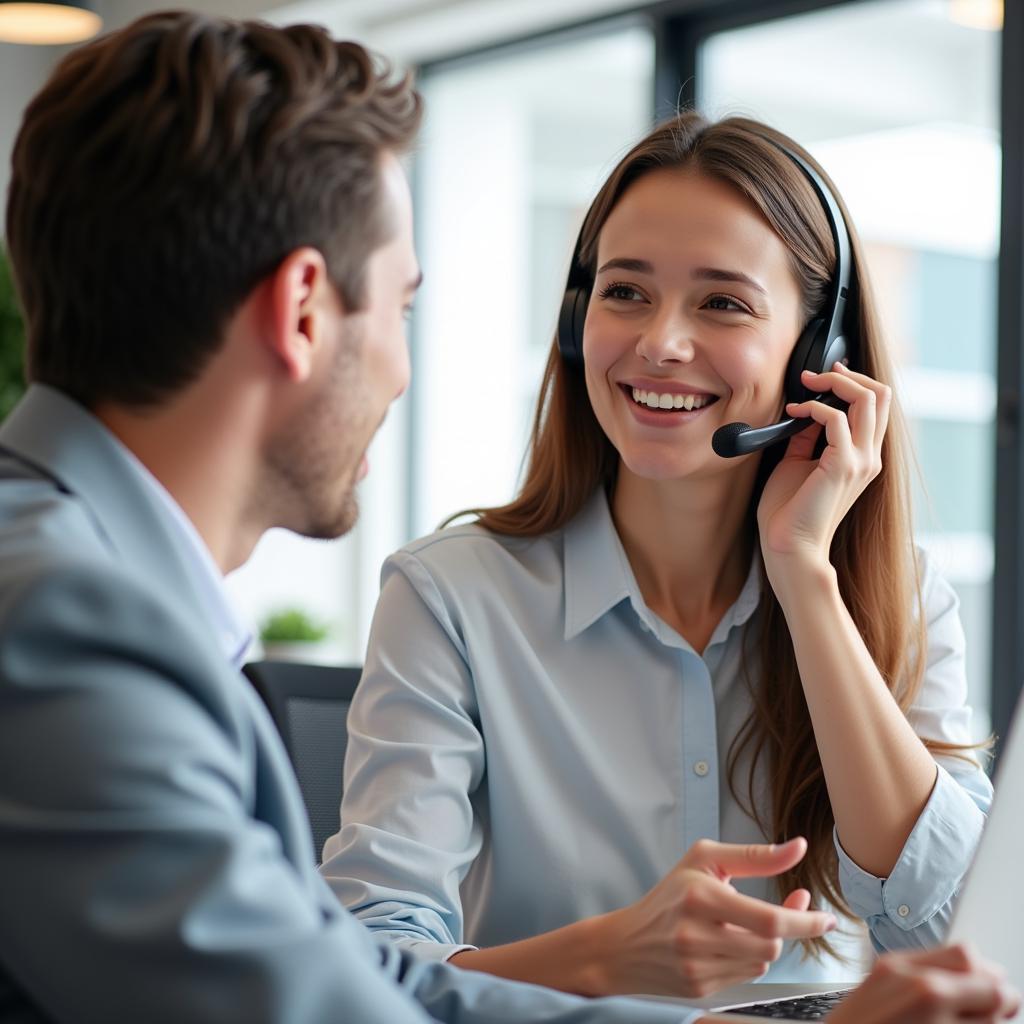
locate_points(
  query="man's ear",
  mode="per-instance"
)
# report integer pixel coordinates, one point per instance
(300, 296)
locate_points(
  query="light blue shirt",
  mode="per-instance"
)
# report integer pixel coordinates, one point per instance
(531, 745)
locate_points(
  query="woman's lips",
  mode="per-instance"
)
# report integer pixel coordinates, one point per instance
(661, 417)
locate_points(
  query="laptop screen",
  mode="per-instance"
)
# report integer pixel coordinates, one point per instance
(990, 915)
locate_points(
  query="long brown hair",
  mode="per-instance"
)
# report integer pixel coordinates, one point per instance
(873, 553)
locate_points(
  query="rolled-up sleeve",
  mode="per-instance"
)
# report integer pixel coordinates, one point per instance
(913, 906)
(415, 757)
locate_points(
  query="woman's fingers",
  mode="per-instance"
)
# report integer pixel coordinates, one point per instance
(801, 446)
(869, 402)
(883, 399)
(744, 860)
(798, 899)
(767, 919)
(835, 421)
(728, 941)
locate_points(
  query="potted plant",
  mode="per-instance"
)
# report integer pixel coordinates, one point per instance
(290, 634)
(12, 341)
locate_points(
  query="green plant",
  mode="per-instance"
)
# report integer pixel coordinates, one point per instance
(12, 341)
(289, 626)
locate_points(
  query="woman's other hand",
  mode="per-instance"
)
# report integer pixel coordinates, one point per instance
(805, 499)
(694, 934)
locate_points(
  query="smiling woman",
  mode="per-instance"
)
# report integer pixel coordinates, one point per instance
(586, 716)
(728, 291)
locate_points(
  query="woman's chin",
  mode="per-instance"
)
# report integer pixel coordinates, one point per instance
(663, 466)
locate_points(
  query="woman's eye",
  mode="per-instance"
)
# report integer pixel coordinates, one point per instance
(625, 292)
(725, 304)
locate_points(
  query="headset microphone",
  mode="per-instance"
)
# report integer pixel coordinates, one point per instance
(741, 438)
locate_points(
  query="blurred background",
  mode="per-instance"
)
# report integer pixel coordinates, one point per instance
(529, 105)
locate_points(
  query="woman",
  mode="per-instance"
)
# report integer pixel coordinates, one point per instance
(582, 714)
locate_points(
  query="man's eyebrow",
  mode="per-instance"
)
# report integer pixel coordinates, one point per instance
(628, 263)
(717, 274)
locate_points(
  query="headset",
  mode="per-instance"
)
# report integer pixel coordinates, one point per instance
(820, 346)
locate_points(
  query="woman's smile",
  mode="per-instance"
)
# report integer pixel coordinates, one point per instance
(665, 406)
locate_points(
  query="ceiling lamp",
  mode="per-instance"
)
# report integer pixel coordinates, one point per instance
(46, 22)
(987, 14)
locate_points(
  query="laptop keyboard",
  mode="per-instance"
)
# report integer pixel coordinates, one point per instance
(811, 1007)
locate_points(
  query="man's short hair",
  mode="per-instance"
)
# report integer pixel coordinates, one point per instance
(167, 168)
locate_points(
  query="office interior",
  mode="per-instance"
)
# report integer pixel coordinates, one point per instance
(915, 108)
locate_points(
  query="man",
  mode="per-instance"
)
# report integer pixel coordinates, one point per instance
(211, 236)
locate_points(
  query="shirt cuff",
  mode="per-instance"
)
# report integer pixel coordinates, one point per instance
(432, 950)
(931, 864)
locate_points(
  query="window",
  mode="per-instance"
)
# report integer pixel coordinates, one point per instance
(914, 150)
(514, 148)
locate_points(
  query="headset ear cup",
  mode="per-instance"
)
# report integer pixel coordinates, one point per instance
(571, 318)
(804, 357)
(837, 352)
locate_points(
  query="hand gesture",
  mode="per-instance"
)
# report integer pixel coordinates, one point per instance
(694, 934)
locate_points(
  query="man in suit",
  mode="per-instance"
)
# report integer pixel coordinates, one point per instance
(212, 239)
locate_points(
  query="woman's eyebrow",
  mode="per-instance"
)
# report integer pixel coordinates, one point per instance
(717, 274)
(698, 274)
(626, 263)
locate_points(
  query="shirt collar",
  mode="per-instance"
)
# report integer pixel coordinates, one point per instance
(596, 569)
(231, 631)
(598, 577)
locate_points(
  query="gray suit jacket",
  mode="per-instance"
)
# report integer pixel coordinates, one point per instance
(155, 857)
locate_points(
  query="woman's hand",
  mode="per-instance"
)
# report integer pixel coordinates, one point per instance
(940, 986)
(805, 499)
(694, 934)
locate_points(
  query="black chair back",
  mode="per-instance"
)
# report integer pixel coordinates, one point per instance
(309, 705)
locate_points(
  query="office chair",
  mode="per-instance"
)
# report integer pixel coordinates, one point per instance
(309, 705)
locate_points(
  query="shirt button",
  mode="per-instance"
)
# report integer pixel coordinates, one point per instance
(701, 768)
(903, 910)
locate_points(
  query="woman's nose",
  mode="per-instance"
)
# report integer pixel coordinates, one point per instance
(666, 339)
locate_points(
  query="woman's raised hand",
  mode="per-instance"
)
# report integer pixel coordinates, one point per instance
(805, 499)
(694, 934)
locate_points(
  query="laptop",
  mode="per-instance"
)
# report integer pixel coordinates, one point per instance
(989, 915)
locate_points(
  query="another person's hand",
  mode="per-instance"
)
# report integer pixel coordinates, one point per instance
(940, 986)
(694, 934)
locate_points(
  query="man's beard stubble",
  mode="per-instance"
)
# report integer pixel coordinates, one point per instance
(311, 466)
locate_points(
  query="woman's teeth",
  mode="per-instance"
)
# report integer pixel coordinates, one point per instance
(655, 401)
